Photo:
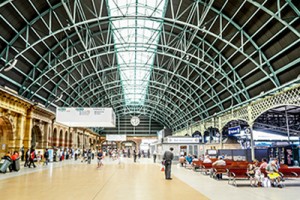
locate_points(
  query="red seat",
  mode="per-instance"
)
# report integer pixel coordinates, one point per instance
(290, 172)
(237, 173)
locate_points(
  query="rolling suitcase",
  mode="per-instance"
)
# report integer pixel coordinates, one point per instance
(16, 165)
(4, 165)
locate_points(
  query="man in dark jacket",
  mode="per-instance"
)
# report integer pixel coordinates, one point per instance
(167, 158)
(46, 157)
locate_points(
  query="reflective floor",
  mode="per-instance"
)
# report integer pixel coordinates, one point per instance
(127, 180)
(76, 180)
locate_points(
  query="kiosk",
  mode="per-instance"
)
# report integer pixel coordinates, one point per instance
(182, 145)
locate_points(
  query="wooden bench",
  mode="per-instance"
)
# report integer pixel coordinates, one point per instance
(219, 170)
(197, 165)
(235, 174)
(206, 167)
(289, 172)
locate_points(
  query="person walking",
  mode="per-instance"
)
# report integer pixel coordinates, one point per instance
(46, 157)
(135, 154)
(22, 153)
(167, 158)
(32, 158)
(99, 158)
(154, 156)
(27, 156)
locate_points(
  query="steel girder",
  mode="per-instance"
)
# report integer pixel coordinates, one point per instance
(185, 27)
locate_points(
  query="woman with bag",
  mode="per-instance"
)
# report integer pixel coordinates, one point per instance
(251, 173)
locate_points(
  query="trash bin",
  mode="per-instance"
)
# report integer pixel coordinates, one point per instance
(16, 165)
(4, 164)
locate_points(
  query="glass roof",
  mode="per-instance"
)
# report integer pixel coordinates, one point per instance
(135, 42)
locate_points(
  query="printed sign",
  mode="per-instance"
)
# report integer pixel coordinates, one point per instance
(86, 117)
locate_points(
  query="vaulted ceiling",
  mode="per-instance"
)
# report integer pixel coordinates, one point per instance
(175, 61)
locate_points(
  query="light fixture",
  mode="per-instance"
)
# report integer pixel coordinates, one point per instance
(203, 29)
(12, 65)
(59, 98)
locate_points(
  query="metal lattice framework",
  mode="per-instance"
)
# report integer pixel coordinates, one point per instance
(248, 113)
(210, 55)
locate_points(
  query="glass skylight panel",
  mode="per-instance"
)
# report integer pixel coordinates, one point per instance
(135, 40)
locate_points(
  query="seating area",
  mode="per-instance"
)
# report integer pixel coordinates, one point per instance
(237, 170)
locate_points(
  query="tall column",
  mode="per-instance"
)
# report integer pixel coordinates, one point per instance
(220, 130)
(27, 130)
(19, 131)
(252, 142)
(251, 122)
(46, 135)
(202, 130)
(82, 139)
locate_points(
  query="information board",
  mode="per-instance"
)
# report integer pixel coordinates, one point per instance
(116, 137)
(86, 117)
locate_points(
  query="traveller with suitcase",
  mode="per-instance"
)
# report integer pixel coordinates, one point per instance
(15, 166)
(5, 163)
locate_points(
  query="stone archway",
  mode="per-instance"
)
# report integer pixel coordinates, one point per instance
(235, 135)
(36, 137)
(6, 135)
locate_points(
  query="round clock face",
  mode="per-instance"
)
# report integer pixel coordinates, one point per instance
(135, 121)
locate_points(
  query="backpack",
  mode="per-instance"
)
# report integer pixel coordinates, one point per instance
(32, 155)
(46, 154)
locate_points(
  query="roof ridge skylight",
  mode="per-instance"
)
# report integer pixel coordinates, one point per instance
(135, 41)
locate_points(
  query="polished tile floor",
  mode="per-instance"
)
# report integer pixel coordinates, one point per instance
(127, 180)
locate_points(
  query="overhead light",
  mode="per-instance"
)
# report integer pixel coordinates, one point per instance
(13, 64)
(68, 27)
(59, 98)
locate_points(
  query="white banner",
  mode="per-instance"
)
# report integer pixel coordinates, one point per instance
(116, 137)
(86, 117)
(181, 140)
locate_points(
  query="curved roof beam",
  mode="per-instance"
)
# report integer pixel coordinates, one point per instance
(247, 36)
(254, 3)
(64, 30)
(112, 86)
(250, 1)
(192, 56)
(70, 67)
(164, 112)
(276, 16)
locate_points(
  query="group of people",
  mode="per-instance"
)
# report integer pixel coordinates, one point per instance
(253, 169)
(12, 158)
(32, 157)
(272, 170)
(185, 160)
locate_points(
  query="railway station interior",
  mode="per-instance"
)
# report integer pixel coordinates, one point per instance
(93, 93)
